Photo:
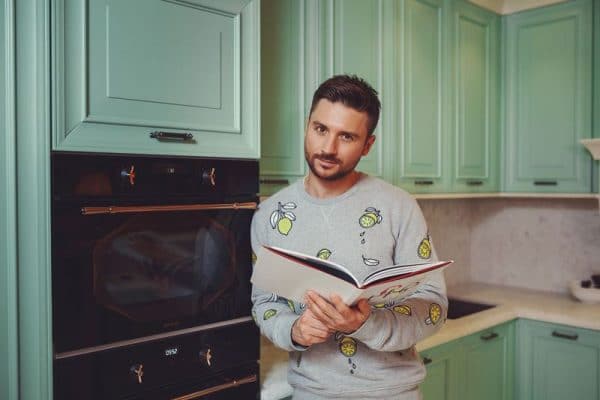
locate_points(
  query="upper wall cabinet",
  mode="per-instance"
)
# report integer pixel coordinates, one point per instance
(290, 70)
(122, 70)
(422, 111)
(474, 105)
(357, 41)
(548, 99)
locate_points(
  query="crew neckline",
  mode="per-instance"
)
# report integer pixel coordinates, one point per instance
(304, 194)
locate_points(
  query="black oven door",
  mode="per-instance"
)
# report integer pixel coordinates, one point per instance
(122, 273)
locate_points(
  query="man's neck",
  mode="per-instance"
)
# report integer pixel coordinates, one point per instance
(323, 189)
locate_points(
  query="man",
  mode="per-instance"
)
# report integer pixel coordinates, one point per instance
(338, 351)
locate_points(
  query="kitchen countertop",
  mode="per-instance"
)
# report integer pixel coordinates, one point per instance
(511, 303)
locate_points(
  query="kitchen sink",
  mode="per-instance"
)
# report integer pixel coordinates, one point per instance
(460, 308)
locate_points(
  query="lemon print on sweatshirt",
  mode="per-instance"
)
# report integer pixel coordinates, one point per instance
(403, 309)
(324, 254)
(283, 218)
(370, 217)
(348, 347)
(424, 250)
(269, 313)
(435, 312)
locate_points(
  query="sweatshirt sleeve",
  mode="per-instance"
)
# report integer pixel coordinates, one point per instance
(403, 323)
(273, 314)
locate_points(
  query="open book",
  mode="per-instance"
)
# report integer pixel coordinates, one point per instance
(290, 274)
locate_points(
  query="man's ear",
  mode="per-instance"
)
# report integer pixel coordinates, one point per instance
(368, 143)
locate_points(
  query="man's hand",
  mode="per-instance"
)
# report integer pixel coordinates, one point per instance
(308, 330)
(336, 315)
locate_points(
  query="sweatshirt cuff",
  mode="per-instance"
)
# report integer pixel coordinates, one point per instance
(367, 331)
(285, 322)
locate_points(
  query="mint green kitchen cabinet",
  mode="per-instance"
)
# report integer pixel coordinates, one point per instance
(305, 42)
(557, 362)
(489, 364)
(289, 66)
(421, 107)
(474, 54)
(8, 241)
(478, 366)
(357, 40)
(548, 98)
(124, 69)
(443, 365)
(596, 102)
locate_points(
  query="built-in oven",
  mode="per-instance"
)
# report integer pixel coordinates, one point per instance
(151, 262)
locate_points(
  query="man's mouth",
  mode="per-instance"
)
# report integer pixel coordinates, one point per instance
(327, 162)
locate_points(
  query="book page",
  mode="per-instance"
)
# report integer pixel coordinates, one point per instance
(324, 265)
(288, 278)
(402, 270)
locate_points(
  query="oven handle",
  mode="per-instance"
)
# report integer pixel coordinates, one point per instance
(218, 388)
(183, 207)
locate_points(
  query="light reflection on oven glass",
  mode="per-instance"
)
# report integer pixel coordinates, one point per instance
(149, 267)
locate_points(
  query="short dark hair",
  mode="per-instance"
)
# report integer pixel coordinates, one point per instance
(353, 92)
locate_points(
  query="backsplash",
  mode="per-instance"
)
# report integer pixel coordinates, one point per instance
(532, 243)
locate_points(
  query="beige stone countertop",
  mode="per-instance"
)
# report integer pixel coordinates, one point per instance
(510, 303)
(513, 303)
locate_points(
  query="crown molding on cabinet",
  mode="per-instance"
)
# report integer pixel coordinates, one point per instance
(505, 7)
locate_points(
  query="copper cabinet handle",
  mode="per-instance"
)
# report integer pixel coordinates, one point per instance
(183, 207)
(218, 388)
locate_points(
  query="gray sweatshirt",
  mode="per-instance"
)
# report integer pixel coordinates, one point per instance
(370, 226)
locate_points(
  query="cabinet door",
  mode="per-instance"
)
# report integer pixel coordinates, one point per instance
(422, 156)
(474, 105)
(124, 69)
(548, 98)
(557, 362)
(357, 42)
(443, 365)
(285, 90)
(489, 360)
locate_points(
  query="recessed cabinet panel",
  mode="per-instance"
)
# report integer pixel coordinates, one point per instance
(422, 62)
(549, 99)
(357, 35)
(283, 113)
(557, 362)
(163, 63)
(474, 105)
(123, 69)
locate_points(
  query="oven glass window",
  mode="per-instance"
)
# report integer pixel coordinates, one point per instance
(129, 275)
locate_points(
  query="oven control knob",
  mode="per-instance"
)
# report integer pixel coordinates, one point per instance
(137, 370)
(129, 174)
(208, 177)
(205, 357)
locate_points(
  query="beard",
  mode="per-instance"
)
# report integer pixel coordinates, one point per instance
(343, 171)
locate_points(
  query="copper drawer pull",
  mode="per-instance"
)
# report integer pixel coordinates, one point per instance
(184, 207)
(218, 388)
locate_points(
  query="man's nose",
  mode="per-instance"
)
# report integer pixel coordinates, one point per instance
(330, 145)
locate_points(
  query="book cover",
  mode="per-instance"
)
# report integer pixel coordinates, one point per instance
(290, 274)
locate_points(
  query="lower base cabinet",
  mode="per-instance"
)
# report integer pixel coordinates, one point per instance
(557, 362)
(478, 366)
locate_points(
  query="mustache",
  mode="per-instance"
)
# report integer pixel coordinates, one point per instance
(326, 157)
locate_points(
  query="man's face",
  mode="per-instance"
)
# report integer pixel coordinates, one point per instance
(335, 140)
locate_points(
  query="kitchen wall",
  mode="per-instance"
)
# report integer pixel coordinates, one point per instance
(533, 243)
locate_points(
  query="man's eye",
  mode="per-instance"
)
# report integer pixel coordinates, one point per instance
(347, 138)
(320, 129)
